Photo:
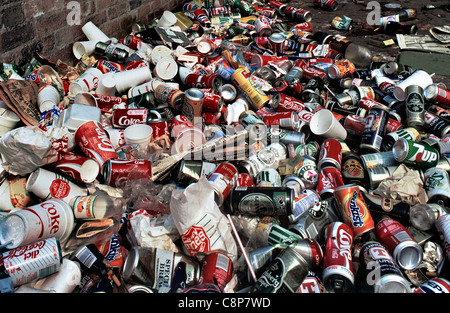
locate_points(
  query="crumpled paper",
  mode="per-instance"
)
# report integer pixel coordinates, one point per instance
(405, 185)
(153, 231)
(203, 227)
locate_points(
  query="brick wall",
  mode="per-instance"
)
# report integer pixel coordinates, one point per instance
(45, 25)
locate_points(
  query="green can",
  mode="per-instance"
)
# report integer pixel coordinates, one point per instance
(244, 7)
(415, 153)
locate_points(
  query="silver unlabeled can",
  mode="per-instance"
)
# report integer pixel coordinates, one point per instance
(415, 106)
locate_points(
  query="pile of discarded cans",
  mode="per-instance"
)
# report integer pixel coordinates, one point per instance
(225, 148)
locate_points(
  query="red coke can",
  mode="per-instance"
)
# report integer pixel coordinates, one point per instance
(106, 104)
(284, 103)
(122, 118)
(118, 172)
(331, 5)
(217, 269)
(194, 80)
(212, 102)
(329, 179)
(298, 14)
(286, 120)
(330, 154)
(435, 93)
(245, 180)
(305, 26)
(223, 179)
(94, 142)
(355, 124)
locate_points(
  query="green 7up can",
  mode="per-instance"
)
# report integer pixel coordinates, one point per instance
(411, 152)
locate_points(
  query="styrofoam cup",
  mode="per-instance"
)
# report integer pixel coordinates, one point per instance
(167, 19)
(88, 81)
(85, 98)
(5, 197)
(131, 78)
(324, 123)
(47, 98)
(80, 48)
(166, 68)
(419, 78)
(107, 86)
(8, 120)
(93, 33)
(140, 134)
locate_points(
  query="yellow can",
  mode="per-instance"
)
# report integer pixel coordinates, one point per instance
(241, 79)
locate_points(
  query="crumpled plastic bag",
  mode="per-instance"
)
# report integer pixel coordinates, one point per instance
(27, 148)
(405, 185)
(201, 224)
(153, 231)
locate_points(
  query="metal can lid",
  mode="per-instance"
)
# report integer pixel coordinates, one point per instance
(408, 254)
(400, 149)
(392, 283)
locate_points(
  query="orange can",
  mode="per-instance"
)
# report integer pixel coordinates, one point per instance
(340, 69)
(353, 209)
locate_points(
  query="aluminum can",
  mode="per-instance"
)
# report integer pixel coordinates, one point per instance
(298, 14)
(94, 142)
(193, 104)
(122, 118)
(120, 172)
(285, 120)
(275, 134)
(379, 159)
(434, 285)
(271, 233)
(411, 152)
(217, 269)
(212, 102)
(424, 216)
(380, 207)
(194, 80)
(329, 179)
(415, 107)
(337, 274)
(310, 250)
(405, 250)
(33, 261)
(262, 201)
(355, 124)
(111, 52)
(437, 94)
(330, 154)
(223, 179)
(192, 170)
(106, 104)
(109, 67)
(409, 133)
(310, 149)
(304, 201)
(306, 170)
(249, 117)
(439, 111)
(378, 174)
(352, 169)
(262, 26)
(330, 5)
(284, 103)
(375, 129)
(311, 284)
(437, 186)
(269, 156)
(268, 177)
(285, 273)
(168, 95)
(256, 97)
(353, 209)
(443, 230)
(436, 125)
(389, 278)
(340, 69)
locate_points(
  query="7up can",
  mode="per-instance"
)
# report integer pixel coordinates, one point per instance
(409, 133)
(411, 152)
(437, 186)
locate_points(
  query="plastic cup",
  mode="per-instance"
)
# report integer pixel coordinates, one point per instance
(5, 197)
(132, 78)
(324, 123)
(47, 98)
(93, 33)
(167, 19)
(81, 48)
(140, 134)
(86, 82)
(419, 78)
(107, 86)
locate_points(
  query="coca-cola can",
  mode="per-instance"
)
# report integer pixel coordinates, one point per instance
(262, 26)
(122, 118)
(284, 103)
(33, 261)
(330, 154)
(194, 80)
(286, 120)
(94, 142)
(217, 269)
(435, 93)
(337, 274)
(331, 5)
(298, 14)
(354, 124)
(223, 179)
(405, 250)
(118, 172)
(212, 102)
(329, 179)
(81, 168)
(160, 127)
(106, 104)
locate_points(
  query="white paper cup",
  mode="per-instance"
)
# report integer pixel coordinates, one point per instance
(324, 123)
(49, 185)
(167, 19)
(166, 68)
(8, 120)
(85, 98)
(93, 33)
(47, 98)
(81, 48)
(5, 197)
(87, 82)
(107, 86)
(132, 78)
(419, 78)
(140, 134)
(160, 52)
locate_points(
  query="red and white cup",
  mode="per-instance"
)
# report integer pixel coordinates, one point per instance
(88, 81)
(79, 167)
(48, 185)
(94, 142)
